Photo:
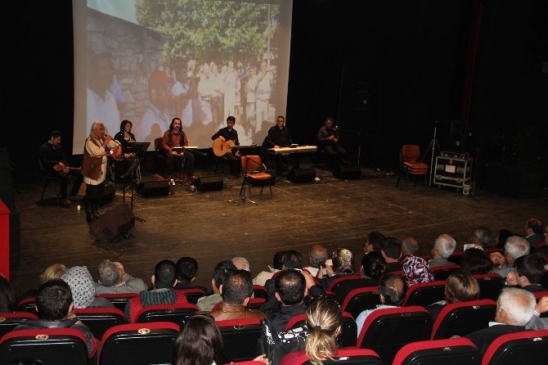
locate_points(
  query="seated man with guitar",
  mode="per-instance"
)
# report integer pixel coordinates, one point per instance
(223, 141)
(53, 161)
(173, 141)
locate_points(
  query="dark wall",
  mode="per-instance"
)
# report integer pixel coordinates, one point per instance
(406, 58)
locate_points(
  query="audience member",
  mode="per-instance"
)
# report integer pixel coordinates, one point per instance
(392, 292)
(514, 247)
(317, 257)
(324, 321)
(163, 281)
(374, 242)
(342, 264)
(409, 246)
(534, 232)
(460, 286)
(443, 248)
(236, 291)
(287, 298)
(222, 270)
(263, 276)
(241, 263)
(502, 237)
(391, 252)
(536, 322)
(54, 271)
(187, 269)
(476, 261)
(8, 300)
(82, 287)
(55, 309)
(528, 271)
(371, 269)
(514, 310)
(416, 270)
(111, 280)
(481, 236)
(172, 138)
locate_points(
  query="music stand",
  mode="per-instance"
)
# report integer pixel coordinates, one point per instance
(136, 148)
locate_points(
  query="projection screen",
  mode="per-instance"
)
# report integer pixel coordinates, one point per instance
(148, 61)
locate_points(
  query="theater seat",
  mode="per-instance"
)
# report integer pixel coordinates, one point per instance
(8, 321)
(345, 356)
(463, 318)
(528, 347)
(240, 338)
(454, 351)
(424, 294)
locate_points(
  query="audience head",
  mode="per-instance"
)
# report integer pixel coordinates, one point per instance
(165, 275)
(481, 236)
(54, 300)
(476, 261)
(410, 245)
(292, 260)
(290, 287)
(109, 275)
(515, 246)
(222, 270)
(8, 299)
(81, 285)
(373, 265)
(317, 255)
(343, 261)
(533, 225)
(54, 271)
(324, 321)
(515, 306)
(445, 245)
(187, 268)
(461, 286)
(199, 342)
(392, 289)
(241, 263)
(277, 260)
(391, 249)
(529, 269)
(374, 241)
(416, 270)
(237, 288)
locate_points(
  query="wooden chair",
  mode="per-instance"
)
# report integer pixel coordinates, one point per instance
(454, 351)
(463, 318)
(410, 164)
(253, 172)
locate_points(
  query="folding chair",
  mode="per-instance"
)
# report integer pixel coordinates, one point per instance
(253, 172)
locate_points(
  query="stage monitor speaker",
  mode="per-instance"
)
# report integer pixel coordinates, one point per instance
(108, 195)
(347, 172)
(209, 183)
(113, 225)
(302, 175)
(152, 188)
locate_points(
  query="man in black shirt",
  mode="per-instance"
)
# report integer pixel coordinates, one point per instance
(224, 135)
(279, 136)
(328, 140)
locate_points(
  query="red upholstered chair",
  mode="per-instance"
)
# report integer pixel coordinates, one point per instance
(136, 344)
(443, 272)
(253, 171)
(8, 321)
(387, 330)
(463, 318)
(424, 294)
(410, 164)
(99, 320)
(241, 338)
(361, 299)
(345, 356)
(176, 313)
(490, 285)
(119, 300)
(454, 351)
(192, 294)
(333, 284)
(260, 291)
(254, 303)
(27, 305)
(50, 345)
(528, 347)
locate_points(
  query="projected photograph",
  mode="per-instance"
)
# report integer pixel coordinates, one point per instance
(149, 61)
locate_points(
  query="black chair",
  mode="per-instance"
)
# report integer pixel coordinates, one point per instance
(528, 347)
(346, 356)
(443, 272)
(100, 320)
(138, 344)
(241, 338)
(52, 181)
(463, 318)
(348, 335)
(361, 299)
(490, 285)
(454, 351)
(27, 305)
(192, 294)
(424, 294)
(176, 313)
(8, 321)
(119, 300)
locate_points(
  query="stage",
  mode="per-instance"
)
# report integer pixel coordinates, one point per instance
(215, 225)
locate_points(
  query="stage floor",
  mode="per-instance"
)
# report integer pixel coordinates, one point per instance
(216, 225)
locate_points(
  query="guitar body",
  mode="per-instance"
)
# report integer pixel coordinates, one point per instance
(221, 148)
(116, 153)
(59, 168)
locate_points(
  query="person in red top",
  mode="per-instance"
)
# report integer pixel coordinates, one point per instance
(175, 137)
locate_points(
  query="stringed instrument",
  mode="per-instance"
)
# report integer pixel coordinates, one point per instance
(60, 168)
(221, 148)
(116, 153)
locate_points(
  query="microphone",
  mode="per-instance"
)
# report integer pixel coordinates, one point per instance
(336, 127)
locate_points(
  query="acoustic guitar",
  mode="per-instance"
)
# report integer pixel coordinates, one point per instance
(221, 148)
(59, 168)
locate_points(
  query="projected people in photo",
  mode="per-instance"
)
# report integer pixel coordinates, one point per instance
(184, 90)
(251, 98)
(264, 90)
(205, 90)
(101, 102)
(232, 85)
(158, 116)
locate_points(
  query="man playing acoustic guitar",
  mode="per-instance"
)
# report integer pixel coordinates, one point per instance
(53, 162)
(223, 140)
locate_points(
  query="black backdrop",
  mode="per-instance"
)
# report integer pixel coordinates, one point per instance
(406, 59)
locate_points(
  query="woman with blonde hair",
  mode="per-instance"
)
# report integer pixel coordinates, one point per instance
(54, 271)
(324, 321)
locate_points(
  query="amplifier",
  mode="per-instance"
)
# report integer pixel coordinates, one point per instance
(449, 154)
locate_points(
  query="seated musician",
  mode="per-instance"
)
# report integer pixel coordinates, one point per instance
(175, 137)
(226, 134)
(279, 136)
(53, 161)
(128, 163)
(328, 140)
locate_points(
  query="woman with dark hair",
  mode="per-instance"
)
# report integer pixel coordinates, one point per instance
(476, 261)
(200, 343)
(128, 162)
(460, 286)
(8, 301)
